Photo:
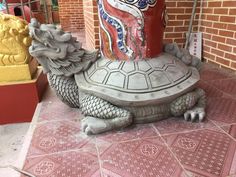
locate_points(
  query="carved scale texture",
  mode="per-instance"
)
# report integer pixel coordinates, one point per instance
(97, 107)
(151, 112)
(66, 89)
(184, 103)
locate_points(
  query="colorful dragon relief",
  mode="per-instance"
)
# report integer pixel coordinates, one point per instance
(15, 59)
(128, 28)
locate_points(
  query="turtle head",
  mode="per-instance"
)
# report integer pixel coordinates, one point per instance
(50, 43)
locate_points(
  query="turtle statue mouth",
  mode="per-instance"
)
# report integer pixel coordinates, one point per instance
(133, 81)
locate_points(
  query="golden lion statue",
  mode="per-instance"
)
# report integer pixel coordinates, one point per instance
(16, 64)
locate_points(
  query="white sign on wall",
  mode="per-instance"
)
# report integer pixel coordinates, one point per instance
(195, 45)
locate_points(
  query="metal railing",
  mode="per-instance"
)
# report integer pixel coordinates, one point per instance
(29, 3)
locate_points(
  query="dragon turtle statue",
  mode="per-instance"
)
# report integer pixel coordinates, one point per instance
(114, 93)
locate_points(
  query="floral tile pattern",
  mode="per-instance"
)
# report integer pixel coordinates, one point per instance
(230, 129)
(175, 125)
(147, 157)
(222, 110)
(57, 110)
(168, 148)
(58, 136)
(134, 132)
(67, 164)
(210, 90)
(205, 152)
(212, 73)
(227, 85)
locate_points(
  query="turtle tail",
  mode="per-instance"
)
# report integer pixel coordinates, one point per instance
(65, 88)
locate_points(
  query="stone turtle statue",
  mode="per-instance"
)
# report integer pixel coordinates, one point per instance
(113, 94)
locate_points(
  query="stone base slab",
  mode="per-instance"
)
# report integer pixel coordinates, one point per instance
(23, 72)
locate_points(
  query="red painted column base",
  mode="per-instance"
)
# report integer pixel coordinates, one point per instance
(19, 100)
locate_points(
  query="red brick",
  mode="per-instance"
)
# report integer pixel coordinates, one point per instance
(171, 4)
(207, 23)
(218, 39)
(207, 10)
(217, 52)
(207, 36)
(206, 48)
(226, 33)
(220, 25)
(173, 35)
(230, 56)
(231, 27)
(175, 11)
(175, 23)
(228, 19)
(185, 4)
(213, 17)
(232, 11)
(214, 4)
(222, 61)
(225, 47)
(231, 3)
(212, 30)
(233, 65)
(209, 43)
(221, 11)
(231, 41)
(208, 55)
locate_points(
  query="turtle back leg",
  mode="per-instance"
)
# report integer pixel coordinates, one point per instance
(191, 105)
(102, 116)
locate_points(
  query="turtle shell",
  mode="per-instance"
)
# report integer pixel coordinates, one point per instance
(133, 83)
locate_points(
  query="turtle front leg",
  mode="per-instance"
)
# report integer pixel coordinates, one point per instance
(191, 105)
(102, 116)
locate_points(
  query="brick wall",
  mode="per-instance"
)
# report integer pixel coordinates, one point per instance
(218, 24)
(217, 21)
(179, 13)
(71, 14)
(91, 24)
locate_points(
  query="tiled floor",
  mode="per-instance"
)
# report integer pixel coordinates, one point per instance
(169, 148)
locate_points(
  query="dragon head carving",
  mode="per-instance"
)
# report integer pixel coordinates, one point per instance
(57, 51)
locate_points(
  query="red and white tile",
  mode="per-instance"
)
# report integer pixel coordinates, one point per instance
(59, 148)
(227, 85)
(52, 137)
(222, 110)
(146, 157)
(230, 129)
(209, 152)
(178, 124)
(137, 131)
(66, 164)
(57, 110)
(212, 73)
(210, 90)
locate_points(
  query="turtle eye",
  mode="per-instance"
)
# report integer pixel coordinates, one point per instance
(46, 44)
(58, 50)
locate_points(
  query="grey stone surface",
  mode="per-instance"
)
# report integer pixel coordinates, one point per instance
(115, 94)
(164, 79)
(11, 141)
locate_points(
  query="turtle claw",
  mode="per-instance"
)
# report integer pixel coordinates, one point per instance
(92, 125)
(194, 114)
